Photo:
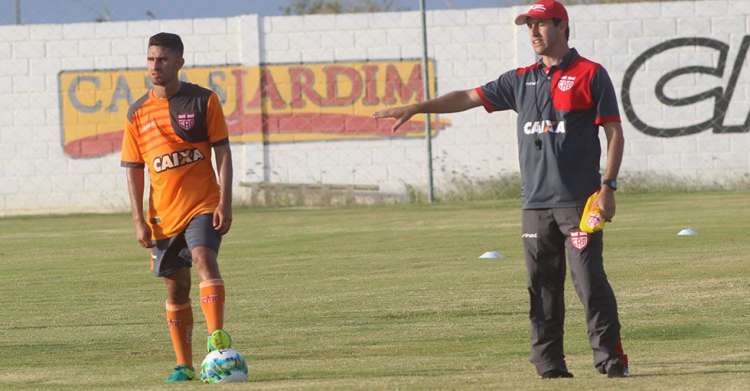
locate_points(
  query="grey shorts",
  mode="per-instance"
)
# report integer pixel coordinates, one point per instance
(173, 253)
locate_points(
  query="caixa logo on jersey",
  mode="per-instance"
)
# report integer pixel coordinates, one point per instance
(546, 126)
(177, 159)
(722, 97)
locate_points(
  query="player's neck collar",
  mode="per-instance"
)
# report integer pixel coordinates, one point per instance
(566, 61)
(168, 95)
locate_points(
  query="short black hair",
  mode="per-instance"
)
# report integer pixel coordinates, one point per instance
(557, 22)
(167, 40)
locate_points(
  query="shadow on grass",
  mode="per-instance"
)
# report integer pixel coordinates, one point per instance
(297, 376)
(686, 370)
(63, 326)
(707, 363)
(459, 313)
(672, 333)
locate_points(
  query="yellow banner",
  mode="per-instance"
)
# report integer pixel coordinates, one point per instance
(270, 103)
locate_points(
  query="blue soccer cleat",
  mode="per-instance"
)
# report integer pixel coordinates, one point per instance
(181, 373)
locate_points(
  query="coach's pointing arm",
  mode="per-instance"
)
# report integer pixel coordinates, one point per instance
(451, 102)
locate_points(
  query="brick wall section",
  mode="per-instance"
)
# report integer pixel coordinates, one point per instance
(469, 47)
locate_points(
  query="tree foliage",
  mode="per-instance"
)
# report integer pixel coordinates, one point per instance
(306, 7)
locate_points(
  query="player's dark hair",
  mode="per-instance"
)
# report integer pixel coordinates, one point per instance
(169, 41)
(557, 22)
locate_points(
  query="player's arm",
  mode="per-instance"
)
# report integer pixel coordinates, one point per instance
(224, 167)
(451, 102)
(132, 160)
(223, 214)
(219, 139)
(135, 191)
(615, 147)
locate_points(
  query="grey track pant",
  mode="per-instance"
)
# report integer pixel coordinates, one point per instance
(547, 234)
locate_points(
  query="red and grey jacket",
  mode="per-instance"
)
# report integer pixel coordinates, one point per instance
(560, 109)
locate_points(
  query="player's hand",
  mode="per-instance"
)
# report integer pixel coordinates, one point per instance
(222, 218)
(143, 234)
(401, 114)
(606, 201)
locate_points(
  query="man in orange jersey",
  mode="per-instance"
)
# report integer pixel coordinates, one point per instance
(172, 130)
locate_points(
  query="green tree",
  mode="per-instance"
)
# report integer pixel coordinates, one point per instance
(306, 7)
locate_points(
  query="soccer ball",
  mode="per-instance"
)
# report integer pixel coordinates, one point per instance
(224, 366)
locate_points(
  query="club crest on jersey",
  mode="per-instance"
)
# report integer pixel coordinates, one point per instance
(566, 83)
(579, 239)
(594, 219)
(176, 159)
(186, 121)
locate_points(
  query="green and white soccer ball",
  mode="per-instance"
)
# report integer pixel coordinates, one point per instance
(224, 366)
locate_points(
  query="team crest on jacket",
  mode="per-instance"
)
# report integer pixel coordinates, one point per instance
(579, 239)
(186, 121)
(566, 83)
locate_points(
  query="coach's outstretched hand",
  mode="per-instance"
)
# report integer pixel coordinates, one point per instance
(401, 114)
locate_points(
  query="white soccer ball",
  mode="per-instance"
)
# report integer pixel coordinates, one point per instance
(224, 366)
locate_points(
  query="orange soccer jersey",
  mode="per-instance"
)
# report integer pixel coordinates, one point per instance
(173, 138)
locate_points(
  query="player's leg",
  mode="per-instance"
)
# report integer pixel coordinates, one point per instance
(212, 294)
(545, 264)
(180, 315)
(204, 243)
(172, 262)
(595, 293)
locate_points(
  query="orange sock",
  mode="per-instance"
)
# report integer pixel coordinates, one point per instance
(212, 303)
(180, 323)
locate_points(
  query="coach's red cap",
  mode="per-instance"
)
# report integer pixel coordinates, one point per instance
(543, 9)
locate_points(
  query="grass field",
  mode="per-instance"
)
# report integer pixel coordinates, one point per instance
(386, 297)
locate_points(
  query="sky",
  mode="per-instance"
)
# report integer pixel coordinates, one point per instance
(72, 11)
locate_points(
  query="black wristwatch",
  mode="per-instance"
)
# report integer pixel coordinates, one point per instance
(611, 183)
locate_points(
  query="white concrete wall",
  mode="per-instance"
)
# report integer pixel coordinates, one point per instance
(469, 47)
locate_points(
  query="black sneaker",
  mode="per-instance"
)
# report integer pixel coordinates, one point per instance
(556, 374)
(617, 369)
